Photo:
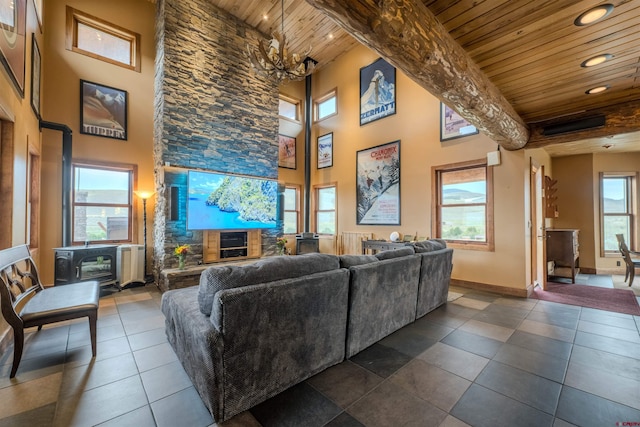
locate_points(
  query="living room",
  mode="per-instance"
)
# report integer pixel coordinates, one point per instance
(194, 119)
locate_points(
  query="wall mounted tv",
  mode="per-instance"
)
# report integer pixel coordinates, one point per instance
(227, 202)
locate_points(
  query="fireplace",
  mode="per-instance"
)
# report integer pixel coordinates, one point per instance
(307, 243)
(80, 263)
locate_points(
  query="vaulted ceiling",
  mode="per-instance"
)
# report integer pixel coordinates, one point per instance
(529, 49)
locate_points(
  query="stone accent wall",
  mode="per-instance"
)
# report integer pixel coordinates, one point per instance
(211, 112)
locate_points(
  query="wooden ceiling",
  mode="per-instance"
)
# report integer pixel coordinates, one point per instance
(530, 49)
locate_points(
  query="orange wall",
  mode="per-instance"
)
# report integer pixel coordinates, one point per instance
(61, 94)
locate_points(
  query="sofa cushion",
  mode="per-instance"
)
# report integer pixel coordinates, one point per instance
(428, 245)
(347, 261)
(395, 253)
(214, 279)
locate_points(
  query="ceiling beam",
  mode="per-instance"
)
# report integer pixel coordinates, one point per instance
(618, 119)
(409, 36)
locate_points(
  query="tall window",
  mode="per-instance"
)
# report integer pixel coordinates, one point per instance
(291, 209)
(326, 222)
(326, 105)
(102, 203)
(100, 39)
(616, 206)
(463, 204)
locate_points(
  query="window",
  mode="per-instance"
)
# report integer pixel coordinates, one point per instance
(289, 108)
(326, 105)
(102, 203)
(464, 204)
(291, 209)
(326, 209)
(102, 40)
(616, 206)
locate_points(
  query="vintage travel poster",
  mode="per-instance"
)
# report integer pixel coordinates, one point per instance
(452, 125)
(377, 91)
(286, 152)
(378, 185)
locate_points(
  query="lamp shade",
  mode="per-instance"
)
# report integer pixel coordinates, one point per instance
(144, 195)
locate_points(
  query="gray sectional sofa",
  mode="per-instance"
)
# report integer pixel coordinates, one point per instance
(250, 332)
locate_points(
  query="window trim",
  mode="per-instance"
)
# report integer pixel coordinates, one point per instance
(75, 16)
(296, 102)
(298, 190)
(132, 206)
(631, 178)
(333, 93)
(316, 210)
(436, 195)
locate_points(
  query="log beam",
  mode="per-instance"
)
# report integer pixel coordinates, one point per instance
(410, 37)
(619, 119)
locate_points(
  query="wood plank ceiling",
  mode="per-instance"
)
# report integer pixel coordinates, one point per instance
(530, 49)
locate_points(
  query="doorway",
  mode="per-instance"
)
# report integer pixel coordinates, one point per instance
(538, 232)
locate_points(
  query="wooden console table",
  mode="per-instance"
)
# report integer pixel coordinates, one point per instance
(380, 245)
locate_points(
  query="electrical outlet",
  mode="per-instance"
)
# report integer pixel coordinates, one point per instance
(618, 263)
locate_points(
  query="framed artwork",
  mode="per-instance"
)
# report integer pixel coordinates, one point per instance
(37, 5)
(452, 125)
(325, 151)
(13, 40)
(377, 91)
(104, 110)
(286, 152)
(378, 185)
(36, 74)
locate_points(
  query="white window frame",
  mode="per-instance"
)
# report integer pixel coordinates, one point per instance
(316, 190)
(333, 93)
(297, 190)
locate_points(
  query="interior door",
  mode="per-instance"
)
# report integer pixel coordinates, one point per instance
(538, 235)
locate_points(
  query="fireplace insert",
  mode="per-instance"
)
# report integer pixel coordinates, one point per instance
(81, 263)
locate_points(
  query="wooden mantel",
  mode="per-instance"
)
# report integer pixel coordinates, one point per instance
(409, 36)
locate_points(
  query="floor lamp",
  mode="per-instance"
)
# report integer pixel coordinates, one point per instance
(144, 195)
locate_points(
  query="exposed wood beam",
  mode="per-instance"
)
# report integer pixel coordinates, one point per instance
(619, 119)
(410, 37)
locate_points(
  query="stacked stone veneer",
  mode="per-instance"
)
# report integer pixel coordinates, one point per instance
(211, 113)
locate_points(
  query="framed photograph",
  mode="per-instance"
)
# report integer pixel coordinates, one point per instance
(325, 151)
(286, 152)
(377, 91)
(452, 125)
(13, 40)
(378, 185)
(36, 74)
(104, 110)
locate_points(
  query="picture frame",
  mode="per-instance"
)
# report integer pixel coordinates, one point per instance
(325, 151)
(378, 185)
(38, 6)
(13, 38)
(286, 152)
(103, 110)
(453, 126)
(36, 75)
(377, 91)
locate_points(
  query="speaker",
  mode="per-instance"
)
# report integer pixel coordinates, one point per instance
(174, 203)
(574, 126)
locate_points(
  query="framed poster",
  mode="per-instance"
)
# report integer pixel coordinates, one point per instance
(37, 5)
(325, 151)
(377, 91)
(452, 125)
(286, 152)
(36, 75)
(378, 185)
(13, 40)
(104, 110)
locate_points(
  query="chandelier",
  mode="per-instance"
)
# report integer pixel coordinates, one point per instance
(271, 58)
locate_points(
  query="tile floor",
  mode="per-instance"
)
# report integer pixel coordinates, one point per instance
(481, 360)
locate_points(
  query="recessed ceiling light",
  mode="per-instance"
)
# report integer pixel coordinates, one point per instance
(265, 17)
(597, 60)
(593, 15)
(330, 36)
(597, 89)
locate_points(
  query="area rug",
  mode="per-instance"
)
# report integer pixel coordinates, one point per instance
(618, 300)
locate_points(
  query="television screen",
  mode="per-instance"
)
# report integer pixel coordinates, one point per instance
(218, 202)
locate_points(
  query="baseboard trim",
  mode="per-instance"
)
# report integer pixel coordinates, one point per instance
(522, 293)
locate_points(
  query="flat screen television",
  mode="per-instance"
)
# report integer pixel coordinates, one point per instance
(227, 202)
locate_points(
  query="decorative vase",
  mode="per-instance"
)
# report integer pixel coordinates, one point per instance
(280, 250)
(181, 263)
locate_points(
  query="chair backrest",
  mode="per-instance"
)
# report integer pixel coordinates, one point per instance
(18, 282)
(624, 250)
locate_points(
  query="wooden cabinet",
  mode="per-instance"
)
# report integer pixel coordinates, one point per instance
(227, 245)
(562, 249)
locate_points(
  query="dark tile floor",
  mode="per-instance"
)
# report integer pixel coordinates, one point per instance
(481, 360)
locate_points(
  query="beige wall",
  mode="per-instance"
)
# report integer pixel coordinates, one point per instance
(416, 125)
(61, 94)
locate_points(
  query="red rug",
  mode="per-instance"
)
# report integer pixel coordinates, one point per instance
(618, 300)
